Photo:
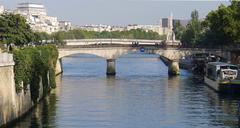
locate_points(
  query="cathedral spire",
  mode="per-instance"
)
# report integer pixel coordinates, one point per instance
(170, 25)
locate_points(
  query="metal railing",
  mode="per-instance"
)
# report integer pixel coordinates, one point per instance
(160, 46)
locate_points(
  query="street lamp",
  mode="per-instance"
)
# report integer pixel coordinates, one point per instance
(111, 35)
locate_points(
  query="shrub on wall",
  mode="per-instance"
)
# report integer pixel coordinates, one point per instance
(33, 64)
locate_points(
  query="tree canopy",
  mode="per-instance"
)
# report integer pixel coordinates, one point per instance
(14, 29)
(178, 30)
(192, 32)
(220, 27)
(223, 25)
(84, 34)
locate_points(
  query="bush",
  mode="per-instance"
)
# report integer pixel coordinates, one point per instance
(33, 64)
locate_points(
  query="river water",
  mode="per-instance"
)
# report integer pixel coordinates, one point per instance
(141, 95)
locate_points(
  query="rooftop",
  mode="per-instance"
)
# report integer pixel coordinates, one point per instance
(220, 64)
(30, 5)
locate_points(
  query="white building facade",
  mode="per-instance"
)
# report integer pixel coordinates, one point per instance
(164, 27)
(97, 28)
(2, 9)
(155, 28)
(65, 25)
(36, 16)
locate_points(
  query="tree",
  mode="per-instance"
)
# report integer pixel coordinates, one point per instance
(223, 25)
(42, 37)
(193, 30)
(83, 34)
(14, 29)
(178, 30)
(59, 37)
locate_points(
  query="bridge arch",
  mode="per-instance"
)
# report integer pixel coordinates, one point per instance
(73, 54)
(170, 55)
(112, 53)
(107, 53)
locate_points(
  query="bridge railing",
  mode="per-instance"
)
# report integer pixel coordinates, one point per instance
(92, 46)
(111, 40)
(198, 49)
(156, 46)
(135, 44)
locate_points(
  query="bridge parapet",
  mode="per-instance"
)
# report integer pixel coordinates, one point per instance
(107, 52)
(6, 59)
(76, 42)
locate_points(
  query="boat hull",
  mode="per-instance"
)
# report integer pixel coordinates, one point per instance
(223, 87)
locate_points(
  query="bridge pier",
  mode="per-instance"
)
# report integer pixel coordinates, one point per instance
(173, 68)
(58, 69)
(111, 70)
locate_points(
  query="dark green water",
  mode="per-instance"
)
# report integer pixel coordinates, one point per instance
(140, 96)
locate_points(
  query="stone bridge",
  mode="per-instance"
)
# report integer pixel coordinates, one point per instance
(111, 53)
(81, 42)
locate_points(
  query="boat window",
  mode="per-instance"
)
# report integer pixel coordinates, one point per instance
(224, 67)
(211, 73)
(233, 67)
(229, 67)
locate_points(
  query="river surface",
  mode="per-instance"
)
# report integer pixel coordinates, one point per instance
(141, 95)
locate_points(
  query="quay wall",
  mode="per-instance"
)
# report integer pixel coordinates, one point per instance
(13, 104)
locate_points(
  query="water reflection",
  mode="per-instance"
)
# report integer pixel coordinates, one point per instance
(43, 115)
(228, 105)
(140, 96)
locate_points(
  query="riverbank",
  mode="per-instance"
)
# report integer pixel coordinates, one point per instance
(26, 76)
(140, 95)
(36, 110)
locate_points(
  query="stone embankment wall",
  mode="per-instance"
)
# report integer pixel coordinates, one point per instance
(12, 104)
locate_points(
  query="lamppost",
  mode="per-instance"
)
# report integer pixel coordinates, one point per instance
(111, 35)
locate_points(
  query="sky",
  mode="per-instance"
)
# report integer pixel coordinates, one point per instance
(121, 12)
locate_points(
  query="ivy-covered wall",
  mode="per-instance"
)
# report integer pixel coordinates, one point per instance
(33, 64)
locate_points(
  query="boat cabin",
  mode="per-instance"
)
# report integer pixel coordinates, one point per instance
(220, 71)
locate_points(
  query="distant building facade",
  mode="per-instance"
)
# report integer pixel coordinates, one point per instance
(65, 25)
(97, 28)
(164, 27)
(36, 16)
(118, 28)
(2, 9)
(165, 22)
(100, 28)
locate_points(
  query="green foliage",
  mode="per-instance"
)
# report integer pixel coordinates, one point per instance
(83, 34)
(33, 64)
(14, 29)
(223, 25)
(178, 30)
(191, 35)
(42, 36)
(59, 36)
(220, 28)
